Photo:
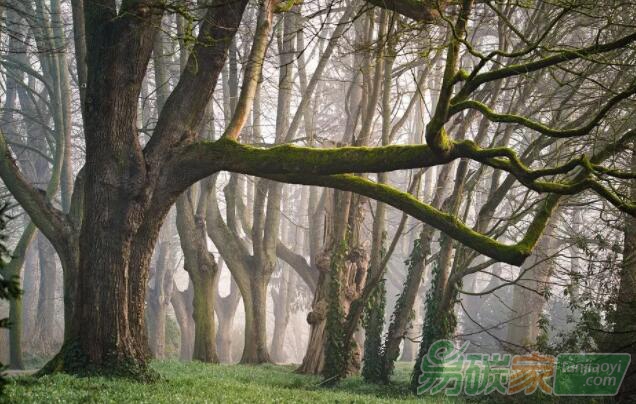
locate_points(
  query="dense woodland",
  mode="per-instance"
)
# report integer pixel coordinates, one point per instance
(334, 184)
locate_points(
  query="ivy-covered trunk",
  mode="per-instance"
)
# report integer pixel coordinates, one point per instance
(373, 326)
(401, 317)
(439, 315)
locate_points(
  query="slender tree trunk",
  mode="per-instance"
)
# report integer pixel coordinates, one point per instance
(281, 299)
(159, 293)
(182, 305)
(46, 337)
(225, 308)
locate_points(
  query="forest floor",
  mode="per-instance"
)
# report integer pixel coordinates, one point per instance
(205, 383)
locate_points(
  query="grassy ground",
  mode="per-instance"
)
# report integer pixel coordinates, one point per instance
(202, 383)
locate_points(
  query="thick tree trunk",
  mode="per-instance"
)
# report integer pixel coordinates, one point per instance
(203, 314)
(255, 350)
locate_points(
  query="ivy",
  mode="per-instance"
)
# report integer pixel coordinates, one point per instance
(336, 357)
(418, 255)
(438, 324)
(373, 322)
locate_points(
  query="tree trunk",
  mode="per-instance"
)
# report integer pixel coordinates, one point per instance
(201, 266)
(159, 294)
(255, 350)
(30, 286)
(528, 300)
(281, 299)
(203, 314)
(182, 305)
(46, 338)
(225, 308)
(314, 358)
(624, 339)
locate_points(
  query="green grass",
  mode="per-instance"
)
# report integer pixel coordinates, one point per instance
(202, 383)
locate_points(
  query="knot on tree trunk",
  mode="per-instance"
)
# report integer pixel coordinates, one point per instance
(318, 314)
(323, 261)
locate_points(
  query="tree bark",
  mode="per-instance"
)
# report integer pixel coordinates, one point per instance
(225, 309)
(47, 339)
(281, 299)
(182, 305)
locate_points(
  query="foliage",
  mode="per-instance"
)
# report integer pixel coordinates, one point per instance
(198, 382)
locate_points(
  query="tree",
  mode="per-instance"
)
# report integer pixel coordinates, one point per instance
(125, 190)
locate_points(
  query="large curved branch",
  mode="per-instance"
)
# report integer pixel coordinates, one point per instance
(299, 264)
(51, 221)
